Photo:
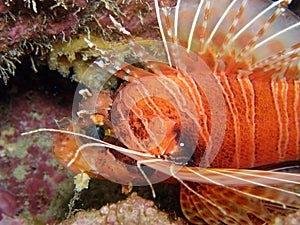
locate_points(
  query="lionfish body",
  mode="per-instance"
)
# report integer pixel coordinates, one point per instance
(251, 110)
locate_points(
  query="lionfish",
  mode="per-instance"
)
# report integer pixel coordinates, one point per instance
(220, 113)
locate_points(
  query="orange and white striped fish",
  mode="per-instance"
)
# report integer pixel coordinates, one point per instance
(223, 98)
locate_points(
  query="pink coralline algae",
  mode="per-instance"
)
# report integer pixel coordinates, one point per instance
(31, 26)
(30, 177)
(32, 22)
(6, 220)
(8, 204)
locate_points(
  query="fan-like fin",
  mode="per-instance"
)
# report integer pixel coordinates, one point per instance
(237, 206)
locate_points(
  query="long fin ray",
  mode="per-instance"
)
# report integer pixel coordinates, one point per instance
(157, 10)
(218, 25)
(252, 21)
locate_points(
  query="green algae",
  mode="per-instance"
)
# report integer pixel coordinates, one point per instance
(20, 173)
(43, 141)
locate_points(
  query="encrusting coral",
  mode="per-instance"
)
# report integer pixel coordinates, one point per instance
(32, 183)
(134, 210)
(31, 27)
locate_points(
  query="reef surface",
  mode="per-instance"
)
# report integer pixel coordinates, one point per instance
(31, 181)
(30, 27)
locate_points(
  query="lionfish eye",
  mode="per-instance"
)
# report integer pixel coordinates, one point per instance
(100, 131)
(96, 131)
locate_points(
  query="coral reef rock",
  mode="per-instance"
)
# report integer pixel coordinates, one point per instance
(30, 27)
(32, 183)
(133, 210)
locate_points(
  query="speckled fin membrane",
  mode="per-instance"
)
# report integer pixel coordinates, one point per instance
(259, 35)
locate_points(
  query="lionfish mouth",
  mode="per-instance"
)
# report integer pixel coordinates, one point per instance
(221, 90)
